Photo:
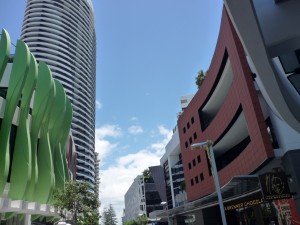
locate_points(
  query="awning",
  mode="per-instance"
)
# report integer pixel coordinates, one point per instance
(237, 187)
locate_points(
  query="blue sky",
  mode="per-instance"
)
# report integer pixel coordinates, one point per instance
(148, 54)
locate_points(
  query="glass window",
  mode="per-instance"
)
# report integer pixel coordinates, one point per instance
(195, 136)
(201, 176)
(199, 158)
(192, 182)
(290, 61)
(192, 120)
(295, 81)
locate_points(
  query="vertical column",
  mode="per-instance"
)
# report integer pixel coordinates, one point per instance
(27, 219)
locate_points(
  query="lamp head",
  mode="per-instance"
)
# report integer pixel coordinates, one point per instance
(200, 145)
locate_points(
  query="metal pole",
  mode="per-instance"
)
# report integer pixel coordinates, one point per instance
(216, 179)
(168, 214)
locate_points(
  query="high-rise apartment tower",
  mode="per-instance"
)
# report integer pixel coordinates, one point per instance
(62, 34)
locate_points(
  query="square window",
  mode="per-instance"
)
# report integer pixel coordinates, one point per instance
(198, 158)
(192, 182)
(201, 177)
(195, 136)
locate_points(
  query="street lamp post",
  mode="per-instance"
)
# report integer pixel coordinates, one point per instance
(210, 152)
(166, 204)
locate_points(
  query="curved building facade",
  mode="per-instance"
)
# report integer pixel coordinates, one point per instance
(62, 34)
(250, 116)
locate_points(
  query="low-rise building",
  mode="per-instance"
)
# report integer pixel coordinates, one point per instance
(145, 194)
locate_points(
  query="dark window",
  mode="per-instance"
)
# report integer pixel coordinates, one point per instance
(190, 166)
(191, 140)
(197, 180)
(184, 130)
(295, 81)
(195, 136)
(201, 177)
(186, 144)
(198, 158)
(3, 92)
(194, 162)
(188, 125)
(225, 159)
(192, 120)
(192, 182)
(290, 61)
(271, 133)
(204, 117)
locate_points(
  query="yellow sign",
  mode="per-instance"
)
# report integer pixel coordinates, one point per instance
(244, 204)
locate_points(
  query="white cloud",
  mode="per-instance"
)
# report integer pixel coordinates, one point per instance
(160, 146)
(108, 130)
(98, 104)
(134, 118)
(102, 146)
(135, 129)
(116, 179)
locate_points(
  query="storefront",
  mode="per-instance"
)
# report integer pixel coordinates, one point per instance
(254, 210)
(246, 202)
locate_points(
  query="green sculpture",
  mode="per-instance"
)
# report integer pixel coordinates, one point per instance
(38, 154)
(44, 86)
(16, 82)
(56, 130)
(4, 51)
(21, 161)
(45, 179)
(65, 134)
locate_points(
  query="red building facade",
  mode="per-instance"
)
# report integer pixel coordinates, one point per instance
(249, 141)
(247, 106)
(226, 110)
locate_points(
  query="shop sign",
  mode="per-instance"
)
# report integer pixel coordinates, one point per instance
(274, 186)
(244, 202)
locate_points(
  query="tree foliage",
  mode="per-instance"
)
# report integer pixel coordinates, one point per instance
(147, 176)
(77, 203)
(131, 222)
(142, 220)
(199, 78)
(146, 173)
(182, 186)
(109, 216)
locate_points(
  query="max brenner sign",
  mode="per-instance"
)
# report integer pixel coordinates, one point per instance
(274, 186)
